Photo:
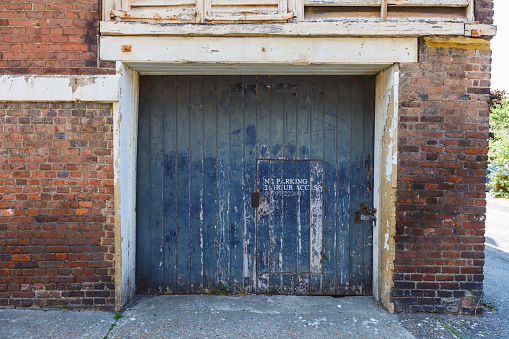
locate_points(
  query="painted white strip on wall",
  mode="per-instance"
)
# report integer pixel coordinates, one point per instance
(38, 88)
(259, 50)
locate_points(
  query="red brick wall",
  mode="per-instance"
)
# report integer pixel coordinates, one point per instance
(56, 205)
(483, 11)
(51, 37)
(442, 159)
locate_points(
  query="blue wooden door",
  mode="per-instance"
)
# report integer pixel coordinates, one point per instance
(253, 182)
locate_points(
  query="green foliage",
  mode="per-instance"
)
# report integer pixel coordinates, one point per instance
(490, 306)
(499, 143)
(116, 317)
(496, 97)
(221, 289)
(499, 183)
(447, 326)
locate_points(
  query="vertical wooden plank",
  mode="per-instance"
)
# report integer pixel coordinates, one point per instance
(210, 183)
(297, 6)
(470, 11)
(303, 117)
(107, 6)
(263, 217)
(317, 118)
(223, 180)
(369, 123)
(143, 191)
(290, 117)
(183, 180)
(356, 184)
(263, 135)
(290, 213)
(236, 182)
(196, 182)
(289, 173)
(156, 184)
(383, 11)
(249, 267)
(277, 117)
(289, 284)
(263, 117)
(316, 196)
(316, 224)
(343, 180)
(316, 278)
(200, 11)
(283, 6)
(125, 5)
(330, 190)
(303, 216)
(276, 170)
(207, 5)
(170, 183)
(276, 218)
(302, 287)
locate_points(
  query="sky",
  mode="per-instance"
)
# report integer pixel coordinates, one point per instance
(500, 47)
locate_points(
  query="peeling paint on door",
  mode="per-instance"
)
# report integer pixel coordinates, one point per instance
(209, 145)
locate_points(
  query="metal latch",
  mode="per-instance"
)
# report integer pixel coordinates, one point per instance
(364, 214)
(255, 200)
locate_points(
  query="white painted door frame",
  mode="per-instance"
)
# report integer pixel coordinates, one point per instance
(125, 141)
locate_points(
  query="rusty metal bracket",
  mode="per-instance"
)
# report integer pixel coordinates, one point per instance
(255, 199)
(364, 214)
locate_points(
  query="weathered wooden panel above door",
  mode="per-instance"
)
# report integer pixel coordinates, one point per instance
(254, 182)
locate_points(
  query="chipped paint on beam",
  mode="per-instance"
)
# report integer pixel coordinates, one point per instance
(39, 88)
(259, 50)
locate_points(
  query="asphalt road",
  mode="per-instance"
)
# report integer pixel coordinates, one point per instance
(497, 223)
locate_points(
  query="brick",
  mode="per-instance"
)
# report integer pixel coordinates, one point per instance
(442, 154)
(42, 260)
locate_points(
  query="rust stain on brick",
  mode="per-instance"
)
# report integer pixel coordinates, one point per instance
(458, 42)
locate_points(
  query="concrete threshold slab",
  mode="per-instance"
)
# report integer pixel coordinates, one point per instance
(256, 316)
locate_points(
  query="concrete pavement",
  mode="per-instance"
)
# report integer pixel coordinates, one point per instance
(257, 316)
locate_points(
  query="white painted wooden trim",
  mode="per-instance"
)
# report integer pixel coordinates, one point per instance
(298, 9)
(470, 11)
(102, 88)
(383, 10)
(480, 29)
(188, 15)
(251, 17)
(416, 3)
(386, 109)
(303, 29)
(125, 5)
(259, 50)
(125, 121)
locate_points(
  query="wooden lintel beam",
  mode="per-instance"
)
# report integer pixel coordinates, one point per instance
(302, 29)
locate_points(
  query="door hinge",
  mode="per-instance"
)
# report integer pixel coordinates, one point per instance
(364, 214)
